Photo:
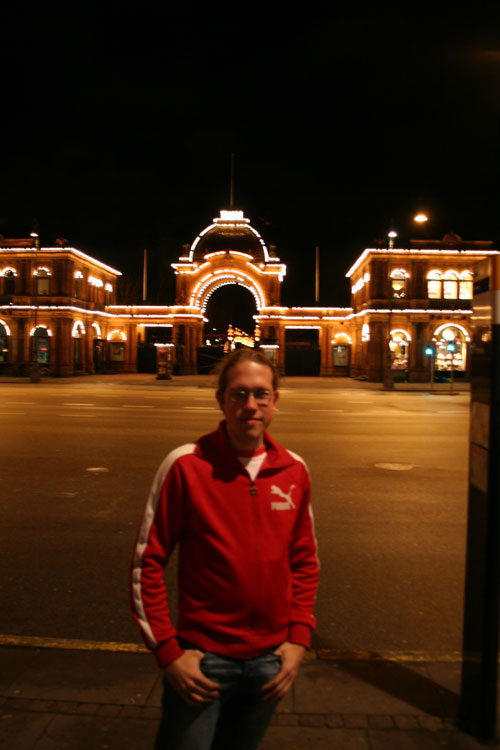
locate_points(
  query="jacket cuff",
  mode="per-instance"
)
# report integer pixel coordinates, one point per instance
(167, 652)
(300, 634)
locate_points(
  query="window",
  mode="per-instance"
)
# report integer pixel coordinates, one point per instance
(465, 285)
(42, 345)
(398, 282)
(4, 344)
(116, 351)
(434, 285)
(451, 348)
(42, 280)
(399, 345)
(78, 284)
(450, 285)
(9, 281)
(341, 355)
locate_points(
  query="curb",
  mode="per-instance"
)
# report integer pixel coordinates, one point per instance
(324, 654)
(153, 713)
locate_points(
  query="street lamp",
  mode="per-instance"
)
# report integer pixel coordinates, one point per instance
(452, 347)
(388, 374)
(430, 352)
(421, 218)
(34, 369)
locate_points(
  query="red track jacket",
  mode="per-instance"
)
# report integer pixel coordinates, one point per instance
(248, 569)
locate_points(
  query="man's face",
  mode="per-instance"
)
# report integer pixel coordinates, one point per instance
(248, 417)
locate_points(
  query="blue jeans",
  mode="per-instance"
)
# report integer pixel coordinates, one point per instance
(236, 719)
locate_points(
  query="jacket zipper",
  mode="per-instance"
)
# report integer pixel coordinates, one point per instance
(253, 492)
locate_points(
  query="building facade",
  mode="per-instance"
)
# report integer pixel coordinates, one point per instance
(53, 309)
(59, 305)
(407, 301)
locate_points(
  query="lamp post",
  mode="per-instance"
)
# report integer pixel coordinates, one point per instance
(388, 374)
(34, 369)
(451, 347)
(430, 351)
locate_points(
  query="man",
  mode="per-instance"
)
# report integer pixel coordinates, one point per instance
(237, 504)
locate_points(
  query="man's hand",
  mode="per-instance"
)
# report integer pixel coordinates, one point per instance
(186, 677)
(291, 657)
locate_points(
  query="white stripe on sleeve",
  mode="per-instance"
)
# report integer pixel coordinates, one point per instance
(142, 541)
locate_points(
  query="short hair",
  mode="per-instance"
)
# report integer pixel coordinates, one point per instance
(244, 354)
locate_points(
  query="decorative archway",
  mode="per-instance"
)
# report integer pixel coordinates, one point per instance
(228, 251)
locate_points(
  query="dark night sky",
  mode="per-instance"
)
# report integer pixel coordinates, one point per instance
(119, 119)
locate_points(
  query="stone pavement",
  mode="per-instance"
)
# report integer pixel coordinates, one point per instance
(60, 699)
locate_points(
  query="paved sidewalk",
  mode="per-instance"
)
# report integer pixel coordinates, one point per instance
(57, 699)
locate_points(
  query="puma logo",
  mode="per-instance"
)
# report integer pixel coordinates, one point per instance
(288, 497)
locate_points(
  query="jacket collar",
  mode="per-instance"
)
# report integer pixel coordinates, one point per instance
(216, 448)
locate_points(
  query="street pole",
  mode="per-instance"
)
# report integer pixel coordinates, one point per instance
(388, 375)
(145, 276)
(316, 290)
(34, 369)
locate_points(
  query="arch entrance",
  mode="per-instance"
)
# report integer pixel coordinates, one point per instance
(230, 305)
(229, 314)
(226, 253)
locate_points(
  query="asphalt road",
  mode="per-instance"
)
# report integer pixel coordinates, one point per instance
(389, 473)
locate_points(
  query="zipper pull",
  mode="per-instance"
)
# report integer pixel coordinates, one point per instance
(253, 489)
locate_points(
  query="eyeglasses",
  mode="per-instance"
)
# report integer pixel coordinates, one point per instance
(261, 396)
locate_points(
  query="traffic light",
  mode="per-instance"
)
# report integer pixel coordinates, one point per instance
(429, 351)
(451, 346)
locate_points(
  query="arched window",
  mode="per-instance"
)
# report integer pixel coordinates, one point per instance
(450, 285)
(399, 345)
(41, 342)
(9, 281)
(341, 349)
(465, 285)
(77, 333)
(116, 346)
(78, 329)
(398, 282)
(434, 285)
(451, 347)
(4, 343)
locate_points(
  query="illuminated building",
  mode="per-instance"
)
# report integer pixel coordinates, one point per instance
(53, 300)
(402, 301)
(407, 299)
